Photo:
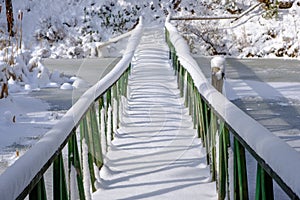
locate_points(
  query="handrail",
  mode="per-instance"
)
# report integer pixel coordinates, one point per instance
(25, 176)
(217, 119)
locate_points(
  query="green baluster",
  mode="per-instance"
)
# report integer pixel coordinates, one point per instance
(212, 142)
(98, 159)
(200, 116)
(206, 123)
(108, 99)
(74, 161)
(116, 98)
(264, 185)
(59, 179)
(195, 107)
(181, 78)
(39, 191)
(240, 172)
(223, 182)
(87, 136)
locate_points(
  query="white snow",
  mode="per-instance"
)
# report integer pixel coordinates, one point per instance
(67, 86)
(19, 106)
(80, 83)
(86, 171)
(218, 62)
(73, 184)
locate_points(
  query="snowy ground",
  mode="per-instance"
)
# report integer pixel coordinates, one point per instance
(31, 122)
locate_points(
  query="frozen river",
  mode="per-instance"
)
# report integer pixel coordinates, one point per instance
(91, 70)
(273, 92)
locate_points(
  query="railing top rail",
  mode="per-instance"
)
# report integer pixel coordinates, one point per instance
(18, 176)
(271, 150)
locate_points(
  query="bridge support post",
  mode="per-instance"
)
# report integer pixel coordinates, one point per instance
(217, 72)
(217, 75)
(220, 137)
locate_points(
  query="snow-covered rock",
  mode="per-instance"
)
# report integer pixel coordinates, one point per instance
(57, 77)
(43, 76)
(66, 86)
(9, 117)
(80, 83)
(13, 86)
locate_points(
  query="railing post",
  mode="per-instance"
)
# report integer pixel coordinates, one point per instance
(217, 72)
(220, 173)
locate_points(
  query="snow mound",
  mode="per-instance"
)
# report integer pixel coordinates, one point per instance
(66, 86)
(80, 83)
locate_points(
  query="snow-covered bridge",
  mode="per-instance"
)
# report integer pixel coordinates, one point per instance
(153, 128)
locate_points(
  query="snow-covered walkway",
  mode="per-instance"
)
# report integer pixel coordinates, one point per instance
(155, 153)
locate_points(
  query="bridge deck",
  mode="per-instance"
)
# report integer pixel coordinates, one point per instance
(155, 153)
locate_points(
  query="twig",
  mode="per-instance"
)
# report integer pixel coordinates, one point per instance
(235, 17)
(205, 18)
(247, 11)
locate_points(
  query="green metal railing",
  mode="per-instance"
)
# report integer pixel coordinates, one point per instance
(89, 132)
(214, 130)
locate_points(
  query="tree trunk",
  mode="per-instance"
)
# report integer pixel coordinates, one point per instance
(4, 90)
(9, 17)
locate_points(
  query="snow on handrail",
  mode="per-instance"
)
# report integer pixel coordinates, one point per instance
(18, 176)
(278, 155)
